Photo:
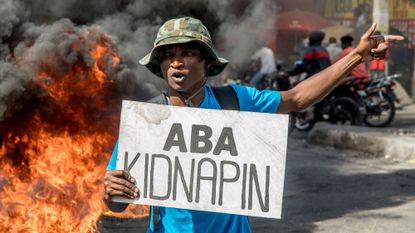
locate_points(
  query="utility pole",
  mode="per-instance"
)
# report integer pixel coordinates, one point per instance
(381, 15)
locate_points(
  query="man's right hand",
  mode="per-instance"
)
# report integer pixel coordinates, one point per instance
(119, 183)
(374, 47)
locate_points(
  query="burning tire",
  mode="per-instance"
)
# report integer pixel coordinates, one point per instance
(111, 224)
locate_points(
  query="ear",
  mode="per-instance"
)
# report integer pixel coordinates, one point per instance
(207, 66)
(208, 62)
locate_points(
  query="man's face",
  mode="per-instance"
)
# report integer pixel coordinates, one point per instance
(183, 67)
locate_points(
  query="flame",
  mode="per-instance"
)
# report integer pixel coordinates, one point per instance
(54, 155)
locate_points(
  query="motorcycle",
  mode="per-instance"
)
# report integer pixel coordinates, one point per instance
(276, 80)
(280, 82)
(380, 101)
(375, 98)
(333, 108)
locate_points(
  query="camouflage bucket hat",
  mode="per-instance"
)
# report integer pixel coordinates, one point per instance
(179, 31)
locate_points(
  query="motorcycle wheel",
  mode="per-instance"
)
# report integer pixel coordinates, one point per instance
(302, 124)
(380, 113)
(346, 111)
(291, 123)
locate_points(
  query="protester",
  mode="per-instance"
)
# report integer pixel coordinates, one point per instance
(361, 13)
(300, 47)
(183, 55)
(316, 57)
(377, 67)
(266, 63)
(359, 73)
(333, 48)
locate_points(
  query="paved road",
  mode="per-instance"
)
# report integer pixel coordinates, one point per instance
(328, 190)
(405, 118)
(333, 191)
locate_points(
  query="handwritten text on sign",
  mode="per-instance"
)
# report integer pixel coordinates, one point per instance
(212, 160)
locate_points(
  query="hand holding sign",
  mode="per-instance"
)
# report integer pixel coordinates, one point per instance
(200, 159)
(119, 183)
(374, 47)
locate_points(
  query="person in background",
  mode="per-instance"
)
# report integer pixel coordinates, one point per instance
(362, 14)
(333, 48)
(300, 47)
(184, 57)
(264, 57)
(377, 67)
(316, 58)
(359, 73)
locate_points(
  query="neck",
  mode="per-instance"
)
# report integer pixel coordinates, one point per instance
(177, 98)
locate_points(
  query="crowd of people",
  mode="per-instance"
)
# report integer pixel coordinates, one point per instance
(317, 56)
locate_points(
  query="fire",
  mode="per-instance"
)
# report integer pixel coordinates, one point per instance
(54, 152)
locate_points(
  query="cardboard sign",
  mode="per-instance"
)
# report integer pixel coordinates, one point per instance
(212, 160)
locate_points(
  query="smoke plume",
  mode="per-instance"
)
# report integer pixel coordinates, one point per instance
(64, 68)
(34, 31)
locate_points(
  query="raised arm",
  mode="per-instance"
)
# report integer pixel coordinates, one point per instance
(321, 84)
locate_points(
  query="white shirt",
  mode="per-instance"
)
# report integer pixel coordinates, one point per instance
(266, 55)
(334, 51)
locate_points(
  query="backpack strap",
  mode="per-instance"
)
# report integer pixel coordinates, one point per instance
(154, 218)
(226, 97)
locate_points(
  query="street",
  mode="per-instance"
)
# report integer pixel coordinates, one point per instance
(71, 144)
(334, 191)
(330, 190)
(405, 118)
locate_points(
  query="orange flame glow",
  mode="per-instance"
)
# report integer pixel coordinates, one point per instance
(53, 156)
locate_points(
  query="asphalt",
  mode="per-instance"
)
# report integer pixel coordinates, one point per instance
(396, 143)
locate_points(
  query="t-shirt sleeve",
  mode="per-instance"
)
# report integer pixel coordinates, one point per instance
(256, 55)
(253, 100)
(112, 165)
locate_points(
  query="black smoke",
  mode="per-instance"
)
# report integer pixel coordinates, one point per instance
(36, 29)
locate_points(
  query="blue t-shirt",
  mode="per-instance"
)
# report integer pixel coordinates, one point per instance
(173, 220)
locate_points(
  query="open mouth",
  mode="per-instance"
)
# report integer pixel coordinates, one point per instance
(178, 76)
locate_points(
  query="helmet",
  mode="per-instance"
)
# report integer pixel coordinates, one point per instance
(316, 37)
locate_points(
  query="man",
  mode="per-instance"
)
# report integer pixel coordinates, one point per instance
(316, 57)
(333, 48)
(359, 73)
(265, 56)
(362, 14)
(183, 55)
(377, 67)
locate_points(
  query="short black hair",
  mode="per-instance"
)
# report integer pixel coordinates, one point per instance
(347, 39)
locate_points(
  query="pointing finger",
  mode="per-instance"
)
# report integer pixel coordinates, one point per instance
(393, 38)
